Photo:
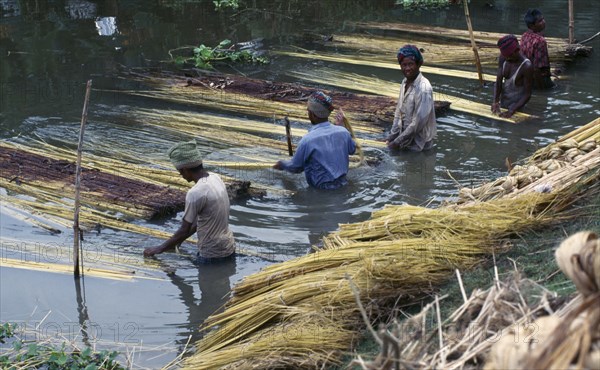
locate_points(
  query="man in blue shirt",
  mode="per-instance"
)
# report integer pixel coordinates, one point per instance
(323, 152)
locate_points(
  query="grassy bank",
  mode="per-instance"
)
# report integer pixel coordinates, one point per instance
(532, 255)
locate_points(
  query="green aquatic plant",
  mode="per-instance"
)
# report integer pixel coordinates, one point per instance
(205, 57)
(7, 330)
(428, 4)
(221, 4)
(25, 355)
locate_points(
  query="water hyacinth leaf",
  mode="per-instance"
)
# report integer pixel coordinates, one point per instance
(179, 60)
(224, 43)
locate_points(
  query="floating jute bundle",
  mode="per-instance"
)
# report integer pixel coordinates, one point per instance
(518, 177)
(567, 150)
(568, 144)
(551, 165)
(544, 162)
(588, 145)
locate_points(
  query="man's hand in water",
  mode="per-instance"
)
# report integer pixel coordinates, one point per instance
(509, 113)
(149, 252)
(496, 108)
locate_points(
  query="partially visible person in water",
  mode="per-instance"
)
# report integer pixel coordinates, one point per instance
(535, 48)
(514, 78)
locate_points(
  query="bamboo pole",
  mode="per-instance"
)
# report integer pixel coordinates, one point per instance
(473, 44)
(76, 230)
(571, 23)
(288, 135)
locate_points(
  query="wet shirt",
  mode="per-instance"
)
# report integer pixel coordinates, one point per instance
(535, 48)
(207, 207)
(323, 156)
(414, 124)
(511, 92)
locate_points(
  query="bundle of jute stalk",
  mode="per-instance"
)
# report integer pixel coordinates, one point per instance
(399, 255)
(373, 85)
(583, 140)
(437, 53)
(564, 341)
(380, 61)
(478, 221)
(383, 271)
(559, 49)
(547, 168)
(246, 102)
(318, 306)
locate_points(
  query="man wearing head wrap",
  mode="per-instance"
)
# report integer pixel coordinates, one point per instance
(414, 126)
(535, 48)
(514, 78)
(206, 208)
(323, 152)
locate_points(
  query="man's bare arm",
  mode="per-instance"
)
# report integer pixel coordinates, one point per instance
(185, 231)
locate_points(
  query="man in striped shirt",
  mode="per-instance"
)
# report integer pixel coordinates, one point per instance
(535, 48)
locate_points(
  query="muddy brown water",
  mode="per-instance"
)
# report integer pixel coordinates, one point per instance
(50, 49)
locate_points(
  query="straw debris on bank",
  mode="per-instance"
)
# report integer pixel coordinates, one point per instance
(399, 255)
(516, 324)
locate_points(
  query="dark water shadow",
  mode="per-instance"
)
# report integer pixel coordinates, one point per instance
(213, 282)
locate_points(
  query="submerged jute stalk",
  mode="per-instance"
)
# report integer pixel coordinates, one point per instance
(448, 33)
(373, 85)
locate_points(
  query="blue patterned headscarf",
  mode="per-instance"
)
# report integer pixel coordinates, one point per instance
(409, 51)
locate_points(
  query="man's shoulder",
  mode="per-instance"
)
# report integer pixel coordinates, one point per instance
(529, 35)
(339, 130)
(424, 83)
(204, 184)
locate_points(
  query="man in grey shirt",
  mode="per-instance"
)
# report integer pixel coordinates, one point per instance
(206, 208)
(414, 124)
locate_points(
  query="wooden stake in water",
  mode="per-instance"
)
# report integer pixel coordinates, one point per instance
(76, 230)
(288, 135)
(571, 23)
(473, 44)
